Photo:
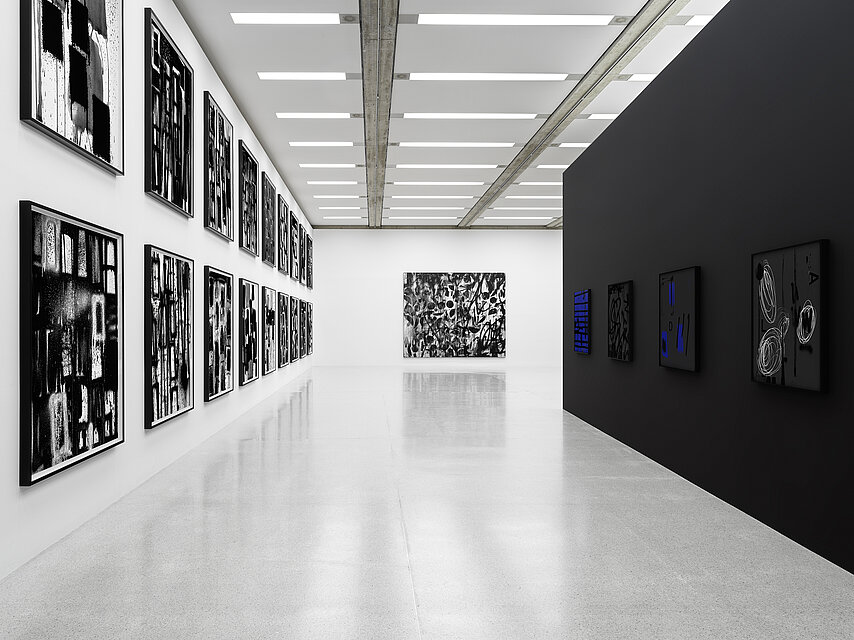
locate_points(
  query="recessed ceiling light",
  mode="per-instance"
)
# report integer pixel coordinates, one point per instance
(314, 165)
(541, 184)
(457, 145)
(433, 197)
(518, 217)
(552, 166)
(321, 144)
(422, 218)
(527, 209)
(574, 145)
(602, 116)
(340, 208)
(440, 184)
(286, 18)
(343, 217)
(470, 116)
(426, 208)
(302, 75)
(331, 182)
(533, 197)
(490, 77)
(446, 166)
(499, 19)
(337, 197)
(643, 77)
(313, 116)
(699, 21)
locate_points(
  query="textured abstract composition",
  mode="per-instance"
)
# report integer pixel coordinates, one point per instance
(269, 353)
(72, 368)
(168, 119)
(309, 262)
(219, 337)
(678, 293)
(284, 330)
(302, 254)
(72, 74)
(309, 327)
(303, 329)
(250, 327)
(219, 206)
(294, 246)
(788, 316)
(268, 220)
(168, 335)
(454, 315)
(581, 321)
(620, 345)
(282, 235)
(294, 324)
(248, 201)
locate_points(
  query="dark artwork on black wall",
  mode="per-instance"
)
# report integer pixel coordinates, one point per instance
(269, 354)
(250, 327)
(620, 338)
(248, 201)
(309, 327)
(168, 336)
(219, 337)
(302, 254)
(309, 262)
(454, 315)
(294, 246)
(788, 337)
(303, 329)
(581, 321)
(678, 301)
(219, 206)
(72, 66)
(168, 120)
(284, 330)
(72, 362)
(268, 220)
(294, 323)
(282, 235)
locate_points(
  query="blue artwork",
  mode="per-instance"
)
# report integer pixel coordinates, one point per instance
(677, 318)
(582, 321)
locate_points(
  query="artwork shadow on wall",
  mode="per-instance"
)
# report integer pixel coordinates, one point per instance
(678, 319)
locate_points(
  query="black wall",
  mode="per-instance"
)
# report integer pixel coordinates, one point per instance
(744, 143)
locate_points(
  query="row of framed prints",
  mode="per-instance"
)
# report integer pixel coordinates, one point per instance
(72, 337)
(72, 89)
(787, 312)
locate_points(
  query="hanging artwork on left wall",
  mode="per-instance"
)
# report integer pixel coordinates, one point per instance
(295, 225)
(282, 236)
(72, 336)
(169, 373)
(294, 315)
(248, 199)
(284, 331)
(250, 328)
(168, 119)
(309, 326)
(302, 254)
(219, 206)
(219, 339)
(303, 329)
(72, 75)
(269, 354)
(268, 220)
(309, 262)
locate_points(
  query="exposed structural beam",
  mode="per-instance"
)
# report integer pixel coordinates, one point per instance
(648, 23)
(378, 24)
(390, 227)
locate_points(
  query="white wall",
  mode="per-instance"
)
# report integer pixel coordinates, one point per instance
(34, 167)
(358, 310)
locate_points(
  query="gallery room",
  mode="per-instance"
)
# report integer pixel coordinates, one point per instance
(427, 319)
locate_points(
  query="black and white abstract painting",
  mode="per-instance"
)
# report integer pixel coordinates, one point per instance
(302, 254)
(295, 226)
(269, 311)
(454, 315)
(219, 336)
(72, 66)
(219, 201)
(248, 201)
(168, 119)
(309, 262)
(168, 335)
(678, 320)
(581, 321)
(294, 323)
(284, 330)
(268, 220)
(303, 329)
(250, 328)
(620, 338)
(282, 235)
(789, 316)
(309, 326)
(72, 360)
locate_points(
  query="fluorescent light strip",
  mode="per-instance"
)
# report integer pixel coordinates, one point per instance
(340, 208)
(489, 77)
(643, 77)
(541, 184)
(332, 182)
(433, 197)
(527, 209)
(446, 166)
(602, 116)
(457, 145)
(327, 166)
(302, 75)
(312, 116)
(344, 217)
(422, 218)
(532, 197)
(338, 197)
(514, 20)
(426, 208)
(469, 116)
(321, 144)
(552, 166)
(699, 21)
(439, 184)
(518, 217)
(574, 145)
(286, 18)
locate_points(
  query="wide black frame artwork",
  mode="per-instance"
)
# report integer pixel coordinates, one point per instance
(248, 198)
(219, 333)
(788, 316)
(69, 45)
(294, 324)
(678, 319)
(250, 331)
(268, 220)
(219, 194)
(282, 235)
(309, 262)
(71, 341)
(309, 326)
(294, 239)
(284, 329)
(302, 256)
(169, 335)
(620, 321)
(581, 313)
(269, 311)
(169, 116)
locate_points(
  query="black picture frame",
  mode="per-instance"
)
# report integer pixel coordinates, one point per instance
(269, 317)
(294, 324)
(268, 220)
(309, 262)
(250, 331)
(302, 254)
(582, 311)
(157, 333)
(309, 325)
(248, 199)
(679, 319)
(284, 329)
(219, 170)
(621, 321)
(33, 56)
(38, 309)
(282, 236)
(294, 236)
(219, 333)
(303, 329)
(168, 176)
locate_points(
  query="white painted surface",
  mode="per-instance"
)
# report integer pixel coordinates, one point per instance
(358, 311)
(34, 167)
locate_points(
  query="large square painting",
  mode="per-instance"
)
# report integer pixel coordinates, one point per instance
(620, 339)
(581, 321)
(268, 220)
(269, 353)
(678, 306)
(250, 329)
(219, 205)
(219, 337)
(248, 200)
(284, 330)
(282, 236)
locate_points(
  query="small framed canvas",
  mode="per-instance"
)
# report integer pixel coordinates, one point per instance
(302, 254)
(219, 200)
(294, 246)
(268, 220)
(269, 354)
(309, 262)
(620, 338)
(678, 319)
(219, 337)
(284, 330)
(581, 320)
(250, 327)
(303, 329)
(294, 323)
(282, 236)
(310, 328)
(248, 201)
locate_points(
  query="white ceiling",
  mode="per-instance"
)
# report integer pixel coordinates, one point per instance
(239, 52)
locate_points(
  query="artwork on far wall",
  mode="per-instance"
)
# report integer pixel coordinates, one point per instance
(72, 75)
(71, 341)
(250, 327)
(454, 315)
(302, 254)
(219, 337)
(620, 338)
(303, 329)
(284, 330)
(248, 197)
(309, 262)
(294, 323)
(219, 201)
(269, 353)
(282, 236)
(268, 220)
(168, 336)
(581, 321)
(294, 246)
(788, 316)
(309, 325)
(678, 305)
(168, 119)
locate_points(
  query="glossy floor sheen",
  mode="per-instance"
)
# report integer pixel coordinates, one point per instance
(362, 503)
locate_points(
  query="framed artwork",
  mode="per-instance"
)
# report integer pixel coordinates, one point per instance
(269, 355)
(454, 315)
(788, 316)
(309, 262)
(303, 329)
(309, 325)
(268, 220)
(284, 330)
(294, 247)
(72, 76)
(581, 320)
(248, 201)
(302, 254)
(219, 337)
(219, 201)
(168, 335)
(72, 337)
(168, 120)
(282, 235)
(250, 326)
(678, 308)
(294, 323)
(620, 338)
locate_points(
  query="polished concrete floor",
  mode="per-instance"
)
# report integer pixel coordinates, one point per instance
(362, 503)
